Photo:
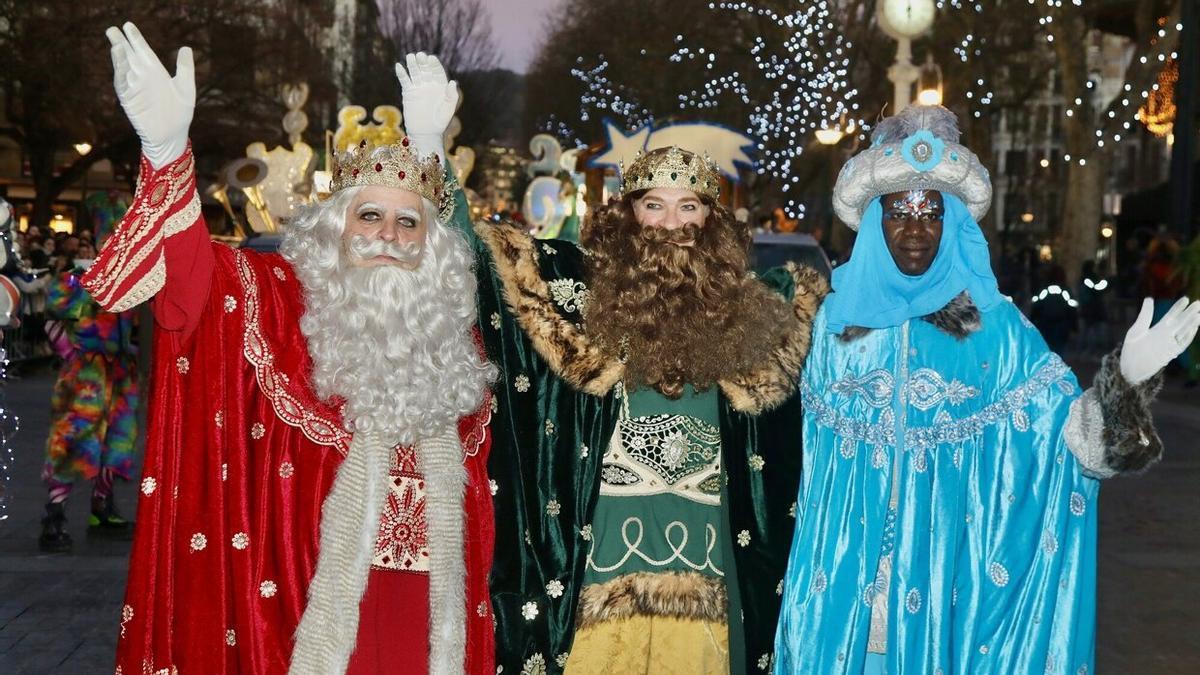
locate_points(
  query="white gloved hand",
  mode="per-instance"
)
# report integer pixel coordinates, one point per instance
(429, 100)
(1148, 350)
(159, 106)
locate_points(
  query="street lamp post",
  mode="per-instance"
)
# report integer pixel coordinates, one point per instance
(904, 20)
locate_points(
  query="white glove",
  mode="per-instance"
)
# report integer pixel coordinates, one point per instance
(429, 100)
(159, 106)
(1148, 350)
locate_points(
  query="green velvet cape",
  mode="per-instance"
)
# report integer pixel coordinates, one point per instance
(555, 416)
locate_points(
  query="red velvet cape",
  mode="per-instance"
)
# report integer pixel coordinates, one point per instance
(240, 454)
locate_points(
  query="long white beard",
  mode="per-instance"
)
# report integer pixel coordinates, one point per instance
(396, 345)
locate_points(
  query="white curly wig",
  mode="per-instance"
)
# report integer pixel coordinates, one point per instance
(396, 345)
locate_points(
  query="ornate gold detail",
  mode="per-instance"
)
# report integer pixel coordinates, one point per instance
(273, 384)
(396, 165)
(672, 169)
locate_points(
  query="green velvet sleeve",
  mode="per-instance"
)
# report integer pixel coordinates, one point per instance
(763, 463)
(548, 441)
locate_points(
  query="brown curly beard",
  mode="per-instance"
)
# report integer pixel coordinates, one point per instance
(679, 314)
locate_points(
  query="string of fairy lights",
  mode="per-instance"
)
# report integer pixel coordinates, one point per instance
(1130, 107)
(800, 84)
(9, 425)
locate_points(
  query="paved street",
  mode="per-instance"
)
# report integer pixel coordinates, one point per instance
(59, 614)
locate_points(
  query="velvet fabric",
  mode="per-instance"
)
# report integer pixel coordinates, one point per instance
(994, 561)
(239, 457)
(549, 439)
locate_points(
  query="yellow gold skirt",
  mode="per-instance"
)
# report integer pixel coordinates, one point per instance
(651, 644)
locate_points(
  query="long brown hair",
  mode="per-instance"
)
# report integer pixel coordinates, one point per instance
(679, 315)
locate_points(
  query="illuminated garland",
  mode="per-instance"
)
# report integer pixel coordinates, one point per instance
(1158, 112)
(9, 425)
(806, 70)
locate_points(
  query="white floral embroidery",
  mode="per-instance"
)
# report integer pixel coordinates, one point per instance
(241, 540)
(549, 249)
(257, 431)
(585, 533)
(219, 419)
(1049, 542)
(286, 470)
(549, 428)
(224, 471)
(757, 462)
(912, 602)
(267, 589)
(279, 274)
(555, 588)
(481, 610)
(149, 485)
(534, 665)
(495, 318)
(529, 610)
(553, 508)
(199, 541)
(521, 383)
(819, 582)
(792, 510)
(230, 638)
(182, 365)
(493, 486)
(583, 451)
(743, 538)
(561, 659)
(569, 294)
(998, 574)
(1078, 504)
(495, 404)
(230, 304)
(764, 662)
(779, 588)
(126, 617)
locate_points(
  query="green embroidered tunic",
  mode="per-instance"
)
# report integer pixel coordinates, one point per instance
(660, 492)
(555, 415)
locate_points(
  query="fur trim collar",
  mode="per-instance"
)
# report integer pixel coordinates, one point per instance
(959, 318)
(565, 348)
(681, 595)
(571, 355)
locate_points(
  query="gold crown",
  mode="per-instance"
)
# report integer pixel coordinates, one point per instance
(671, 169)
(395, 165)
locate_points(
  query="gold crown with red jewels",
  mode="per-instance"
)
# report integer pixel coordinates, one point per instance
(395, 165)
(671, 169)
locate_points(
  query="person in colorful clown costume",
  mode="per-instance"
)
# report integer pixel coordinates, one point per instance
(314, 497)
(947, 514)
(93, 410)
(646, 442)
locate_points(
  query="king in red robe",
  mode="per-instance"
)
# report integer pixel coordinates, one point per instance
(301, 509)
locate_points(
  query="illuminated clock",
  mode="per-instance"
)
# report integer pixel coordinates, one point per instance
(906, 19)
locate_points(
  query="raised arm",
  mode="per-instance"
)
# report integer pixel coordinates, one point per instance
(161, 246)
(430, 98)
(1110, 429)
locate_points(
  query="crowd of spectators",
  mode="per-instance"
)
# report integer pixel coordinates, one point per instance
(40, 257)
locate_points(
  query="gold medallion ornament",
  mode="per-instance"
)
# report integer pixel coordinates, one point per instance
(395, 165)
(672, 169)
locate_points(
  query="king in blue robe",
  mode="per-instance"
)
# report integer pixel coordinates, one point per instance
(946, 517)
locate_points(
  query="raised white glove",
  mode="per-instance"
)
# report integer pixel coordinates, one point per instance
(159, 106)
(429, 100)
(1148, 350)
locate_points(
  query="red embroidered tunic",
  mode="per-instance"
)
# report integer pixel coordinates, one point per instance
(239, 457)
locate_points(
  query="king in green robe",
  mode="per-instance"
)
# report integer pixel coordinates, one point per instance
(646, 429)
